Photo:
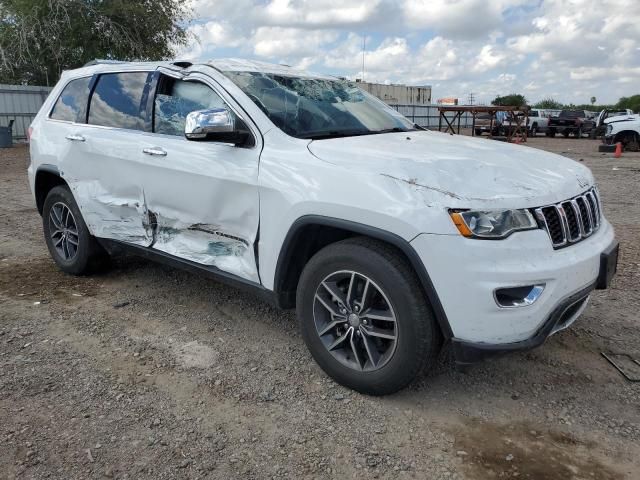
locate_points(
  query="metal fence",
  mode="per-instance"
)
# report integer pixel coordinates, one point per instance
(21, 104)
(428, 115)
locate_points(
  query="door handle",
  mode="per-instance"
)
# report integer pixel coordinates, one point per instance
(155, 151)
(75, 138)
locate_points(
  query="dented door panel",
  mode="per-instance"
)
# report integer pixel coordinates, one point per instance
(203, 199)
(104, 175)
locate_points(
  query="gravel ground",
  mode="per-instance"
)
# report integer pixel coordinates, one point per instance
(149, 372)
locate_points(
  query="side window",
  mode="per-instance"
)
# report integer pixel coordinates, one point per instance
(72, 100)
(117, 100)
(175, 99)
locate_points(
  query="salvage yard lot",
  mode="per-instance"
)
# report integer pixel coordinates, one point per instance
(149, 372)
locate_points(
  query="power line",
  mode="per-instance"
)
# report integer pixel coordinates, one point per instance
(472, 98)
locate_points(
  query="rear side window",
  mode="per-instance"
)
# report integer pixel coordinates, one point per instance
(119, 100)
(72, 100)
(176, 99)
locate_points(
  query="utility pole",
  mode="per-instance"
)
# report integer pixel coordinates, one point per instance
(364, 43)
(472, 98)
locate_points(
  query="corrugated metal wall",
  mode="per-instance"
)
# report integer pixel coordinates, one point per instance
(398, 94)
(20, 103)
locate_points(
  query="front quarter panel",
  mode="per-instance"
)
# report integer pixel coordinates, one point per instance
(294, 183)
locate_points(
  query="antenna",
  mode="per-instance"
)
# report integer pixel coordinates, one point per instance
(364, 43)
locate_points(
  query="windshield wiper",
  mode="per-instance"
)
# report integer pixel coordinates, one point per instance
(350, 133)
(334, 134)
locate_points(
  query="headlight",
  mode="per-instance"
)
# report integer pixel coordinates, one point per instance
(609, 129)
(492, 223)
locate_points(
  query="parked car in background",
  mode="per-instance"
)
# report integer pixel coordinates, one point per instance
(485, 125)
(535, 123)
(387, 239)
(604, 117)
(576, 122)
(624, 129)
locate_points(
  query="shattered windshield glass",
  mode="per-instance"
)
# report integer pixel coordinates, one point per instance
(315, 108)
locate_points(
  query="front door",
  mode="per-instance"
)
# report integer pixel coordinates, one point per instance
(201, 196)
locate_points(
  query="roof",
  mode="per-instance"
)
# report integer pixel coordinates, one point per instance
(242, 65)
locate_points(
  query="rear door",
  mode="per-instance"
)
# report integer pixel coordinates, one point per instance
(104, 165)
(202, 195)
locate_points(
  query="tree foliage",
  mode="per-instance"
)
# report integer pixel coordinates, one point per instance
(549, 103)
(632, 102)
(41, 38)
(511, 100)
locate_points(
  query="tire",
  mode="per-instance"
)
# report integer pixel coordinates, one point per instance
(578, 132)
(565, 134)
(392, 284)
(631, 142)
(534, 130)
(478, 132)
(551, 133)
(87, 255)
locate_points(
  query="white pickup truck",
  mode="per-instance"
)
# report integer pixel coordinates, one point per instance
(624, 129)
(537, 122)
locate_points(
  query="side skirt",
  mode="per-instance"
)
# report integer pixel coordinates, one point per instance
(115, 247)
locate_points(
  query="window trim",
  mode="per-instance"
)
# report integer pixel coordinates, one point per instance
(84, 107)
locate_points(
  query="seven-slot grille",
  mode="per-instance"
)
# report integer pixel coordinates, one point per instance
(573, 220)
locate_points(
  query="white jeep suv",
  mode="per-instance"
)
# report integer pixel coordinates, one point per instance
(388, 239)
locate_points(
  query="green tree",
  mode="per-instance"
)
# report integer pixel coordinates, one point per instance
(549, 103)
(511, 100)
(632, 102)
(41, 38)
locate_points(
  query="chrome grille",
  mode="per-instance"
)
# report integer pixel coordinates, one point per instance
(571, 221)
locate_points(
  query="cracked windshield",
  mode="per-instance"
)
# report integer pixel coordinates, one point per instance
(316, 108)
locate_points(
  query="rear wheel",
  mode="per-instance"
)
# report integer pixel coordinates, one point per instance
(365, 318)
(565, 134)
(534, 130)
(70, 244)
(551, 133)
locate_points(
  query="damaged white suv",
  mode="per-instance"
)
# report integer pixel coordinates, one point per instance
(388, 239)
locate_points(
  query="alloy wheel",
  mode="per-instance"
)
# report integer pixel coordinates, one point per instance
(63, 230)
(355, 320)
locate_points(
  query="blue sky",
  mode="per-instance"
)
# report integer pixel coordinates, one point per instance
(570, 50)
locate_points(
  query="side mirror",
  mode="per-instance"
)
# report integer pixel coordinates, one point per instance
(205, 124)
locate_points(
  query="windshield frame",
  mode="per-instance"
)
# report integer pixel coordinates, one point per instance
(397, 122)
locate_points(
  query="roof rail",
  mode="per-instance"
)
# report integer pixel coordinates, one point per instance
(101, 61)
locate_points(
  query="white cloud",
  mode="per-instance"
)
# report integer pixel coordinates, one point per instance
(570, 49)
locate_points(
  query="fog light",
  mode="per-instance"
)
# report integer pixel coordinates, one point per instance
(518, 296)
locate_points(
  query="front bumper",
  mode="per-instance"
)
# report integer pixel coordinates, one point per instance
(468, 353)
(466, 272)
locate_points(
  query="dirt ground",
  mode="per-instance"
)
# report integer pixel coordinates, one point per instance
(148, 372)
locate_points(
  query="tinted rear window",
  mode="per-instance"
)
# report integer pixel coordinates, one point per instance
(117, 100)
(72, 100)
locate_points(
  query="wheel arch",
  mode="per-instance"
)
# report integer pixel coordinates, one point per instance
(296, 250)
(47, 177)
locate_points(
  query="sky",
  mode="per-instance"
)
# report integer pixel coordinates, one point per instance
(570, 50)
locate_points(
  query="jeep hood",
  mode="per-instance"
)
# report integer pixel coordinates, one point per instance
(468, 171)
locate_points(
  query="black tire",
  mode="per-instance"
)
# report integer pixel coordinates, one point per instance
(631, 142)
(565, 134)
(552, 133)
(534, 130)
(478, 132)
(418, 338)
(89, 255)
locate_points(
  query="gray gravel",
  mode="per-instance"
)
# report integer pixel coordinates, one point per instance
(149, 372)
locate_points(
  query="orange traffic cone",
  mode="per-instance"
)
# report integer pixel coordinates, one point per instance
(618, 153)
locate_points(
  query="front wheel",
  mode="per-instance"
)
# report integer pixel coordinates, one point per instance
(364, 317)
(68, 239)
